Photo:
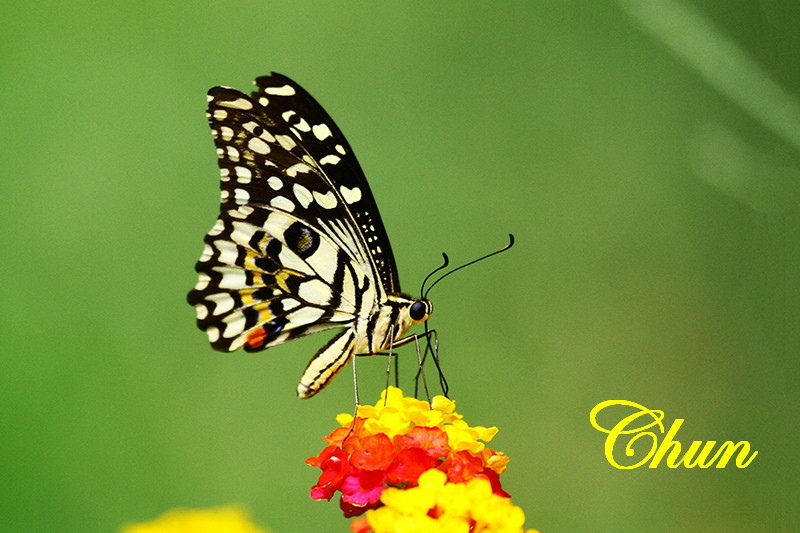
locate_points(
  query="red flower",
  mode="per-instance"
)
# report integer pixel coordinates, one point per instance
(432, 440)
(376, 453)
(334, 465)
(408, 465)
(362, 487)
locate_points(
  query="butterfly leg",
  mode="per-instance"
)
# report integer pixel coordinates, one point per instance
(421, 356)
(434, 351)
(420, 372)
(357, 401)
(355, 388)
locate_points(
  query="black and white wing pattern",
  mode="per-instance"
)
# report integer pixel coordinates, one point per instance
(299, 246)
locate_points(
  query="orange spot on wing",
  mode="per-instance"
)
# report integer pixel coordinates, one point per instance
(256, 338)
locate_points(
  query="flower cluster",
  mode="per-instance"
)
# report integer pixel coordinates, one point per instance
(436, 506)
(391, 445)
(222, 519)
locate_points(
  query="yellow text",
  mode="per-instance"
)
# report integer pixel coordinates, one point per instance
(655, 449)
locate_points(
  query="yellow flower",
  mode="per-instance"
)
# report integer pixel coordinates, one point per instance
(219, 520)
(395, 414)
(439, 506)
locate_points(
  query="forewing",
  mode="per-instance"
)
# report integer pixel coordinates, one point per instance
(322, 141)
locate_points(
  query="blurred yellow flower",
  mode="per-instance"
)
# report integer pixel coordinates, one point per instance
(230, 519)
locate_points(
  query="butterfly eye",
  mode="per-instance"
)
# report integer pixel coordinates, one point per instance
(419, 310)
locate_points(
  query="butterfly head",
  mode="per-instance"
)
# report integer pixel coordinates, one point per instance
(398, 313)
(420, 310)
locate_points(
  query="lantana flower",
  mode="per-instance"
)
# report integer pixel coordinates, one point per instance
(393, 443)
(229, 519)
(439, 506)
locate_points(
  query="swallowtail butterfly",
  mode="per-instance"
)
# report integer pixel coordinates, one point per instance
(299, 246)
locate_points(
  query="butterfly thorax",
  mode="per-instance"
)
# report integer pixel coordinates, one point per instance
(390, 321)
(379, 331)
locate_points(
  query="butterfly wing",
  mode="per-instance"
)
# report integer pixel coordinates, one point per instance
(299, 245)
(323, 142)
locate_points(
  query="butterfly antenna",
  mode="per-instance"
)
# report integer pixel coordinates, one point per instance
(487, 256)
(434, 271)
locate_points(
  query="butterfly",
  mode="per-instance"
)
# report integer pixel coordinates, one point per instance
(299, 246)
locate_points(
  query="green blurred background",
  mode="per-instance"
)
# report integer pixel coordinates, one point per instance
(645, 154)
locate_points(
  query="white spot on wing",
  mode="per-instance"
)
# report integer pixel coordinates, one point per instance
(297, 168)
(302, 195)
(282, 203)
(330, 159)
(243, 174)
(258, 145)
(241, 196)
(207, 253)
(306, 315)
(303, 126)
(323, 262)
(232, 278)
(321, 131)
(267, 136)
(350, 196)
(286, 90)
(290, 260)
(241, 212)
(226, 132)
(228, 251)
(251, 127)
(202, 281)
(224, 303)
(286, 142)
(315, 291)
(327, 200)
(289, 304)
(274, 182)
(235, 325)
(239, 103)
(348, 288)
(242, 233)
